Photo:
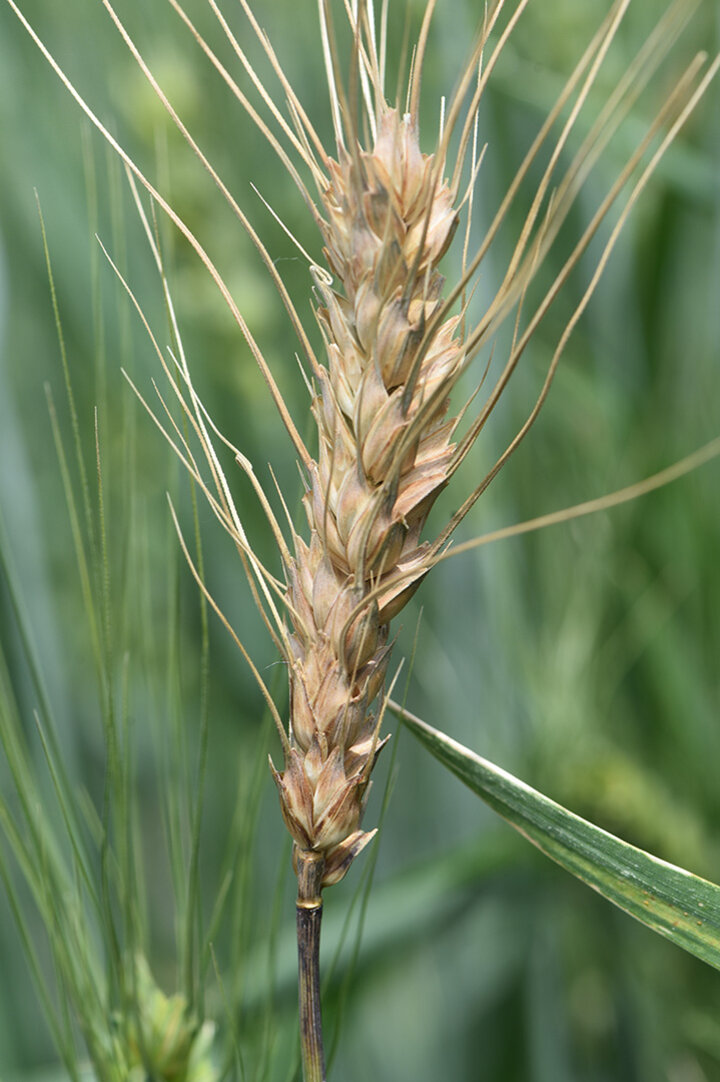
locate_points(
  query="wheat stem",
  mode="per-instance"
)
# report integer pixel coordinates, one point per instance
(310, 871)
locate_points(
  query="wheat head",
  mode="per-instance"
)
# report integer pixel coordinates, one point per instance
(394, 350)
(384, 451)
(396, 341)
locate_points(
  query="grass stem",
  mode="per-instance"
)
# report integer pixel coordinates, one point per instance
(311, 867)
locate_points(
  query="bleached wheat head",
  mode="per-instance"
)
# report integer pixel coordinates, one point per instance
(396, 341)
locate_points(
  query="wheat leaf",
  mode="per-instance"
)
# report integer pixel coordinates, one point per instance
(672, 901)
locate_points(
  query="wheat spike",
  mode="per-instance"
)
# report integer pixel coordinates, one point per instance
(384, 452)
(394, 350)
(395, 347)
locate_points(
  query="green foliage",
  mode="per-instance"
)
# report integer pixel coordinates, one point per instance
(670, 900)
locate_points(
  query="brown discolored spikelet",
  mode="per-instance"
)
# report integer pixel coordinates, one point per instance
(384, 452)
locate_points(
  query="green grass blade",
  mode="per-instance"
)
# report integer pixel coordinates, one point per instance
(62, 1033)
(679, 905)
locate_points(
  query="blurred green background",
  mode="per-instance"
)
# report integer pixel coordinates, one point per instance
(586, 659)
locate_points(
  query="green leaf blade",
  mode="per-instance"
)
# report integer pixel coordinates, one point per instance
(670, 900)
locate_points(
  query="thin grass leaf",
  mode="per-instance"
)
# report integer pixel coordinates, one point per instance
(193, 928)
(672, 901)
(46, 728)
(70, 392)
(61, 1034)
